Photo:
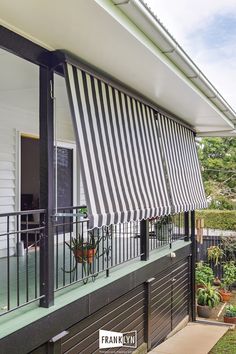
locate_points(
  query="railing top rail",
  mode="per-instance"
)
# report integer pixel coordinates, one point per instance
(23, 212)
(72, 207)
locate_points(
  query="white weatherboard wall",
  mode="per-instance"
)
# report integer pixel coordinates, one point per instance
(19, 107)
(7, 182)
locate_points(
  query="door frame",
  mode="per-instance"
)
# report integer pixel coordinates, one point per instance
(64, 144)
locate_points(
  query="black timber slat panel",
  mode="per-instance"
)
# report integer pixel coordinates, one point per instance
(79, 329)
(169, 300)
(127, 313)
(40, 350)
(161, 307)
(42, 330)
(181, 293)
(137, 317)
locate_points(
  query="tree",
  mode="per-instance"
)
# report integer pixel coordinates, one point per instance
(218, 160)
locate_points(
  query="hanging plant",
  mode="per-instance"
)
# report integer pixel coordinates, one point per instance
(214, 254)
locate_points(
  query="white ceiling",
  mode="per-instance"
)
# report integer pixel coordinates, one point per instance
(86, 29)
(19, 85)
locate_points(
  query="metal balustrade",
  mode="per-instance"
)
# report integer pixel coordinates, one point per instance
(80, 255)
(19, 277)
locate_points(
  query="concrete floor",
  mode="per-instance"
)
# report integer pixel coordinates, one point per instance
(195, 338)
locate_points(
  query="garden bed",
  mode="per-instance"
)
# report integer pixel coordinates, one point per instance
(218, 312)
(227, 344)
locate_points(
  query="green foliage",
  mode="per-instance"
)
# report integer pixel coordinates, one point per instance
(218, 219)
(208, 296)
(84, 211)
(226, 344)
(78, 243)
(204, 274)
(214, 253)
(218, 160)
(229, 275)
(228, 244)
(230, 311)
(163, 220)
(221, 203)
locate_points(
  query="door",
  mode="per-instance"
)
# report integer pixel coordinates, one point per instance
(170, 296)
(30, 174)
(161, 298)
(180, 292)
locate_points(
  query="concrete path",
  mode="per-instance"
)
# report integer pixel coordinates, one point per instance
(195, 338)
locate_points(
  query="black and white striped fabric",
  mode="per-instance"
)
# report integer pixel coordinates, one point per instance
(182, 165)
(120, 156)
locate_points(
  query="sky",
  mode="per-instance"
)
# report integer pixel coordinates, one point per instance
(206, 30)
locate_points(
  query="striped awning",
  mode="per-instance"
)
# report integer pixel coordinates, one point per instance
(135, 163)
(182, 165)
(120, 155)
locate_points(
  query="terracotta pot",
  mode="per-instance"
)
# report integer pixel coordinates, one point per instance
(217, 281)
(199, 286)
(230, 319)
(204, 311)
(85, 255)
(225, 295)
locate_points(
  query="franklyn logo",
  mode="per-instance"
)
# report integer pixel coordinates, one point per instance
(109, 339)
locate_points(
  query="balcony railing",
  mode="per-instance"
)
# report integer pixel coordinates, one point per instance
(19, 277)
(80, 255)
(165, 230)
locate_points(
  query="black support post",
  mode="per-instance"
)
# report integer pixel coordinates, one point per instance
(193, 264)
(147, 328)
(46, 186)
(144, 239)
(186, 226)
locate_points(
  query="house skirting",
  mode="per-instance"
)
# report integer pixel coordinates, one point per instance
(152, 299)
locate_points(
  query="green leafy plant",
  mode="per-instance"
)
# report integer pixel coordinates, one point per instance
(218, 219)
(229, 272)
(230, 311)
(164, 220)
(229, 248)
(84, 211)
(208, 296)
(214, 253)
(204, 274)
(78, 243)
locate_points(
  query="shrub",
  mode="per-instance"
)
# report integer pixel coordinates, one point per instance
(230, 311)
(214, 253)
(208, 296)
(218, 219)
(229, 275)
(228, 245)
(204, 274)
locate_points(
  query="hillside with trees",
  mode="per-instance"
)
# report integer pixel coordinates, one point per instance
(218, 162)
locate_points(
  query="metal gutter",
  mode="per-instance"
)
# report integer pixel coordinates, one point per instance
(141, 15)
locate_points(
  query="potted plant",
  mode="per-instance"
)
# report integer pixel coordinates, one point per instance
(84, 212)
(163, 228)
(214, 254)
(203, 275)
(230, 314)
(207, 299)
(84, 251)
(229, 272)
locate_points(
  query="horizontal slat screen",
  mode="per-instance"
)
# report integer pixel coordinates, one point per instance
(125, 314)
